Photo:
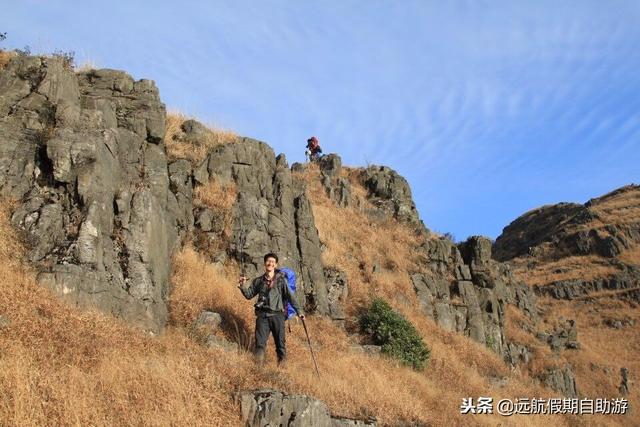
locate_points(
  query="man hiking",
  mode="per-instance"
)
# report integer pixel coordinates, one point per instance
(313, 149)
(273, 294)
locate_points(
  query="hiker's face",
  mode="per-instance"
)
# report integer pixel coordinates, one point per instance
(270, 264)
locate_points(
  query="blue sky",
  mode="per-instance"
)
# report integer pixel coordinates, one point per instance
(488, 108)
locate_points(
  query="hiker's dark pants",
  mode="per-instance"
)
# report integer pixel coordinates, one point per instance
(274, 324)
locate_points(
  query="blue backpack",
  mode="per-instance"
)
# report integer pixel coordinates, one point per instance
(291, 282)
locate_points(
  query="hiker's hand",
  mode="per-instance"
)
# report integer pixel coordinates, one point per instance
(301, 316)
(242, 281)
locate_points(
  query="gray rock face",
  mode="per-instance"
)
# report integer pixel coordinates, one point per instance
(575, 288)
(337, 292)
(338, 189)
(474, 302)
(391, 193)
(272, 212)
(624, 382)
(267, 407)
(208, 321)
(205, 328)
(518, 354)
(564, 336)
(561, 380)
(81, 153)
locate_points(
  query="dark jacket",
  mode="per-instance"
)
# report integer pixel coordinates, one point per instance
(271, 301)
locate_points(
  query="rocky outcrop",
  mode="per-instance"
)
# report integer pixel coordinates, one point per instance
(204, 330)
(102, 210)
(576, 288)
(391, 195)
(83, 155)
(561, 380)
(467, 292)
(563, 337)
(624, 382)
(267, 407)
(272, 212)
(337, 292)
(565, 229)
(338, 188)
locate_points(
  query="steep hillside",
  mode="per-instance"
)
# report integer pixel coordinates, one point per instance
(583, 261)
(146, 220)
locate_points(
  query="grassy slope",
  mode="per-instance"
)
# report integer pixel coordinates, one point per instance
(604, 350)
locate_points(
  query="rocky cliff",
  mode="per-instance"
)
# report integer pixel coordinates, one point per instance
(103, 208)
(83, 156)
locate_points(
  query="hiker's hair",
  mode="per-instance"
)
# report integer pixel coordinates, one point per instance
(271, 255)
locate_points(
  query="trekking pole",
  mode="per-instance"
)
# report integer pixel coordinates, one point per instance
(242, 238)
(310, 348)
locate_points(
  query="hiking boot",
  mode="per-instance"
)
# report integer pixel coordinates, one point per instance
(282, 363)
(259, 356)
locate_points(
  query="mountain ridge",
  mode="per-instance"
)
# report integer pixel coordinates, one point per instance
(107, 195)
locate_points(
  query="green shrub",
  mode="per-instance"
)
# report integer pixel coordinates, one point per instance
(397, 336)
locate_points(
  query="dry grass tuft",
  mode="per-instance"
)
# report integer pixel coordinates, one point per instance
(216, 196)
(193, 149)
(219, 198)
(6, 57)
(86, 66)
(199, 285)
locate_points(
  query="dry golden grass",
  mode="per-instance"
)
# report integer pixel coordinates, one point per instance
(622, 208)
(220, 199)
(631, 256)
(192, 294)
(603, 350)
(568, 268)
(459, 367)
(355, 244)
(5, 58)
(86, 66)
(216, 196)
(193, 150)
(311, 177)
(60, 366)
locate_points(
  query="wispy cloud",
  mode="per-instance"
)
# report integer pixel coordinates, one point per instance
(483, 107)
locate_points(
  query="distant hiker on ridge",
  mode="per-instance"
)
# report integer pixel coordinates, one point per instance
(273, 294)
(313, 149)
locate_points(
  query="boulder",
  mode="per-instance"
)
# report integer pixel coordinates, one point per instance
(337, 292)
(208, 322)
(268, 407)
(391, 193)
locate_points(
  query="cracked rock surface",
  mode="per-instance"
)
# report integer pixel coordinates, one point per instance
(83, 155)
